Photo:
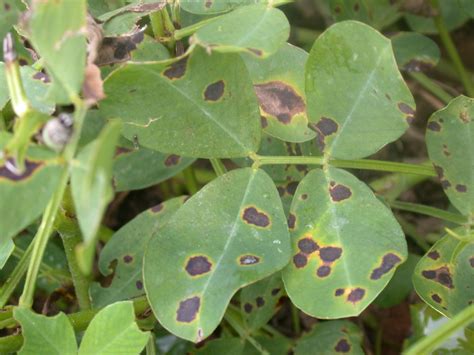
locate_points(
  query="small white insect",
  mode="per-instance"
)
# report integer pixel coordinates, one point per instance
(57, 131)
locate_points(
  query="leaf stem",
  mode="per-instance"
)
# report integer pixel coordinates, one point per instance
(231, 318)
(427, 344)
(451, 49)
(190, 180)
(431, 86)
(429, 211)
(218, 166)
(363, 164)
(295, 318)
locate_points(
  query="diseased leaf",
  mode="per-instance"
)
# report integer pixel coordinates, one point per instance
(258, 301)
(332, 337)
(114, 331)
(37, 182)
(279, 85)
(415, 52)
(45, 335)
(256, 29)
(9, 12)
(443, 277)
(217, 115)
(231, 233)
(125, 252)
(63, 46)
(375, 106)
(346, 245)
(139, 168)
(91, 186)
(450, 141)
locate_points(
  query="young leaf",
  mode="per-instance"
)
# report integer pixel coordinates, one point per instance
(217, 115)
(375, 106)
(91, 184)
(256, 29)
(334, 337)
(279, 84)
(450, 141)
(346, 245)
(443, 277)
(63, 46)
(126, 249)
(46, 335)
(114, 331)
(259, 301)
(415, 52)
(231, 233)
(137, 168)
(37, 182)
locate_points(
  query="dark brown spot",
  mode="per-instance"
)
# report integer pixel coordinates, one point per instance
(441, 276)
(445, 184)
(188, 309)
(255, 51)
(325, 127)
(407, 110)
(339, 292)
(252, 216)
(248, 307)
(208, 4)
(172, 160)
(122, 150)
(388, 263)
(446, 151)
(471, 261)
(249, 260)
(281, 191)
(339, 192)
(434, 126)
(198, 265)
(9, 174)
(307, 245)
(214, 91)
(6, 6)
(388, 97)
(139, 285)
(337, 9)
(260, 301)
(263, 121)
(304, 196)
(435, 297)
(127, 259)
(342, 346)
(300, 260)
(433, 255)
(291, 221)
(275, 291)
(356, 295)
(323, 271)
(157, 208)
(461, 188)
(439, 171)
(330, 254)
(176, 70)
(291, 187)
(279, 100)
(41, 77)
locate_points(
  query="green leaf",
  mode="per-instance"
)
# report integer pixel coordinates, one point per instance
(91, 184)
(227, 346)
(415, 52)
(275, 345)
(443, 277)
(450, 141)
(375, 106)
(114, 331)
(6, 249)
(46, 335)
(150, 49)
(37, 183)
(208, 7)
(346, 245)
(63, 46)
(232, 233)
(139, 168)
(259, 301)
(376, 13)
(8, 16)
(217, 115)
(126, 250)
(334, 337)
(257, 29)
(279, 84)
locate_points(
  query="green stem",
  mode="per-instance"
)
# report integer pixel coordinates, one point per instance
(163, 27)
(81, 282)
(218, 166)
(427, 344)
(295, 317)
(189, 30)
(363, 164)
(41, 239)
(429, 211)
(451, 49)
(432, 87)
(190, 180)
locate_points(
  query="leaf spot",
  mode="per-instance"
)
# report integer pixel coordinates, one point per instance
(342, 346)
(188, 309)
(249, 260)
(8, 174)
(158, 208)
(307, 245)
(260, 302)
(356, 295)
(248, 307)
(198, 265)
(300, 260)
(388, 263)
(252, 216)
(435, 297)
(461, 188)
(339, 192)
(323, 271)
(291, 221)
(433, 255)
(441, 276)
(434, 126)
(339, 292)
(176, 70)
(214, 91)
(172, 160)
(330, 254)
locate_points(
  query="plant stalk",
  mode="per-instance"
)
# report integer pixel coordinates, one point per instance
(218, 166)
(432, 87)
(429, 211)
